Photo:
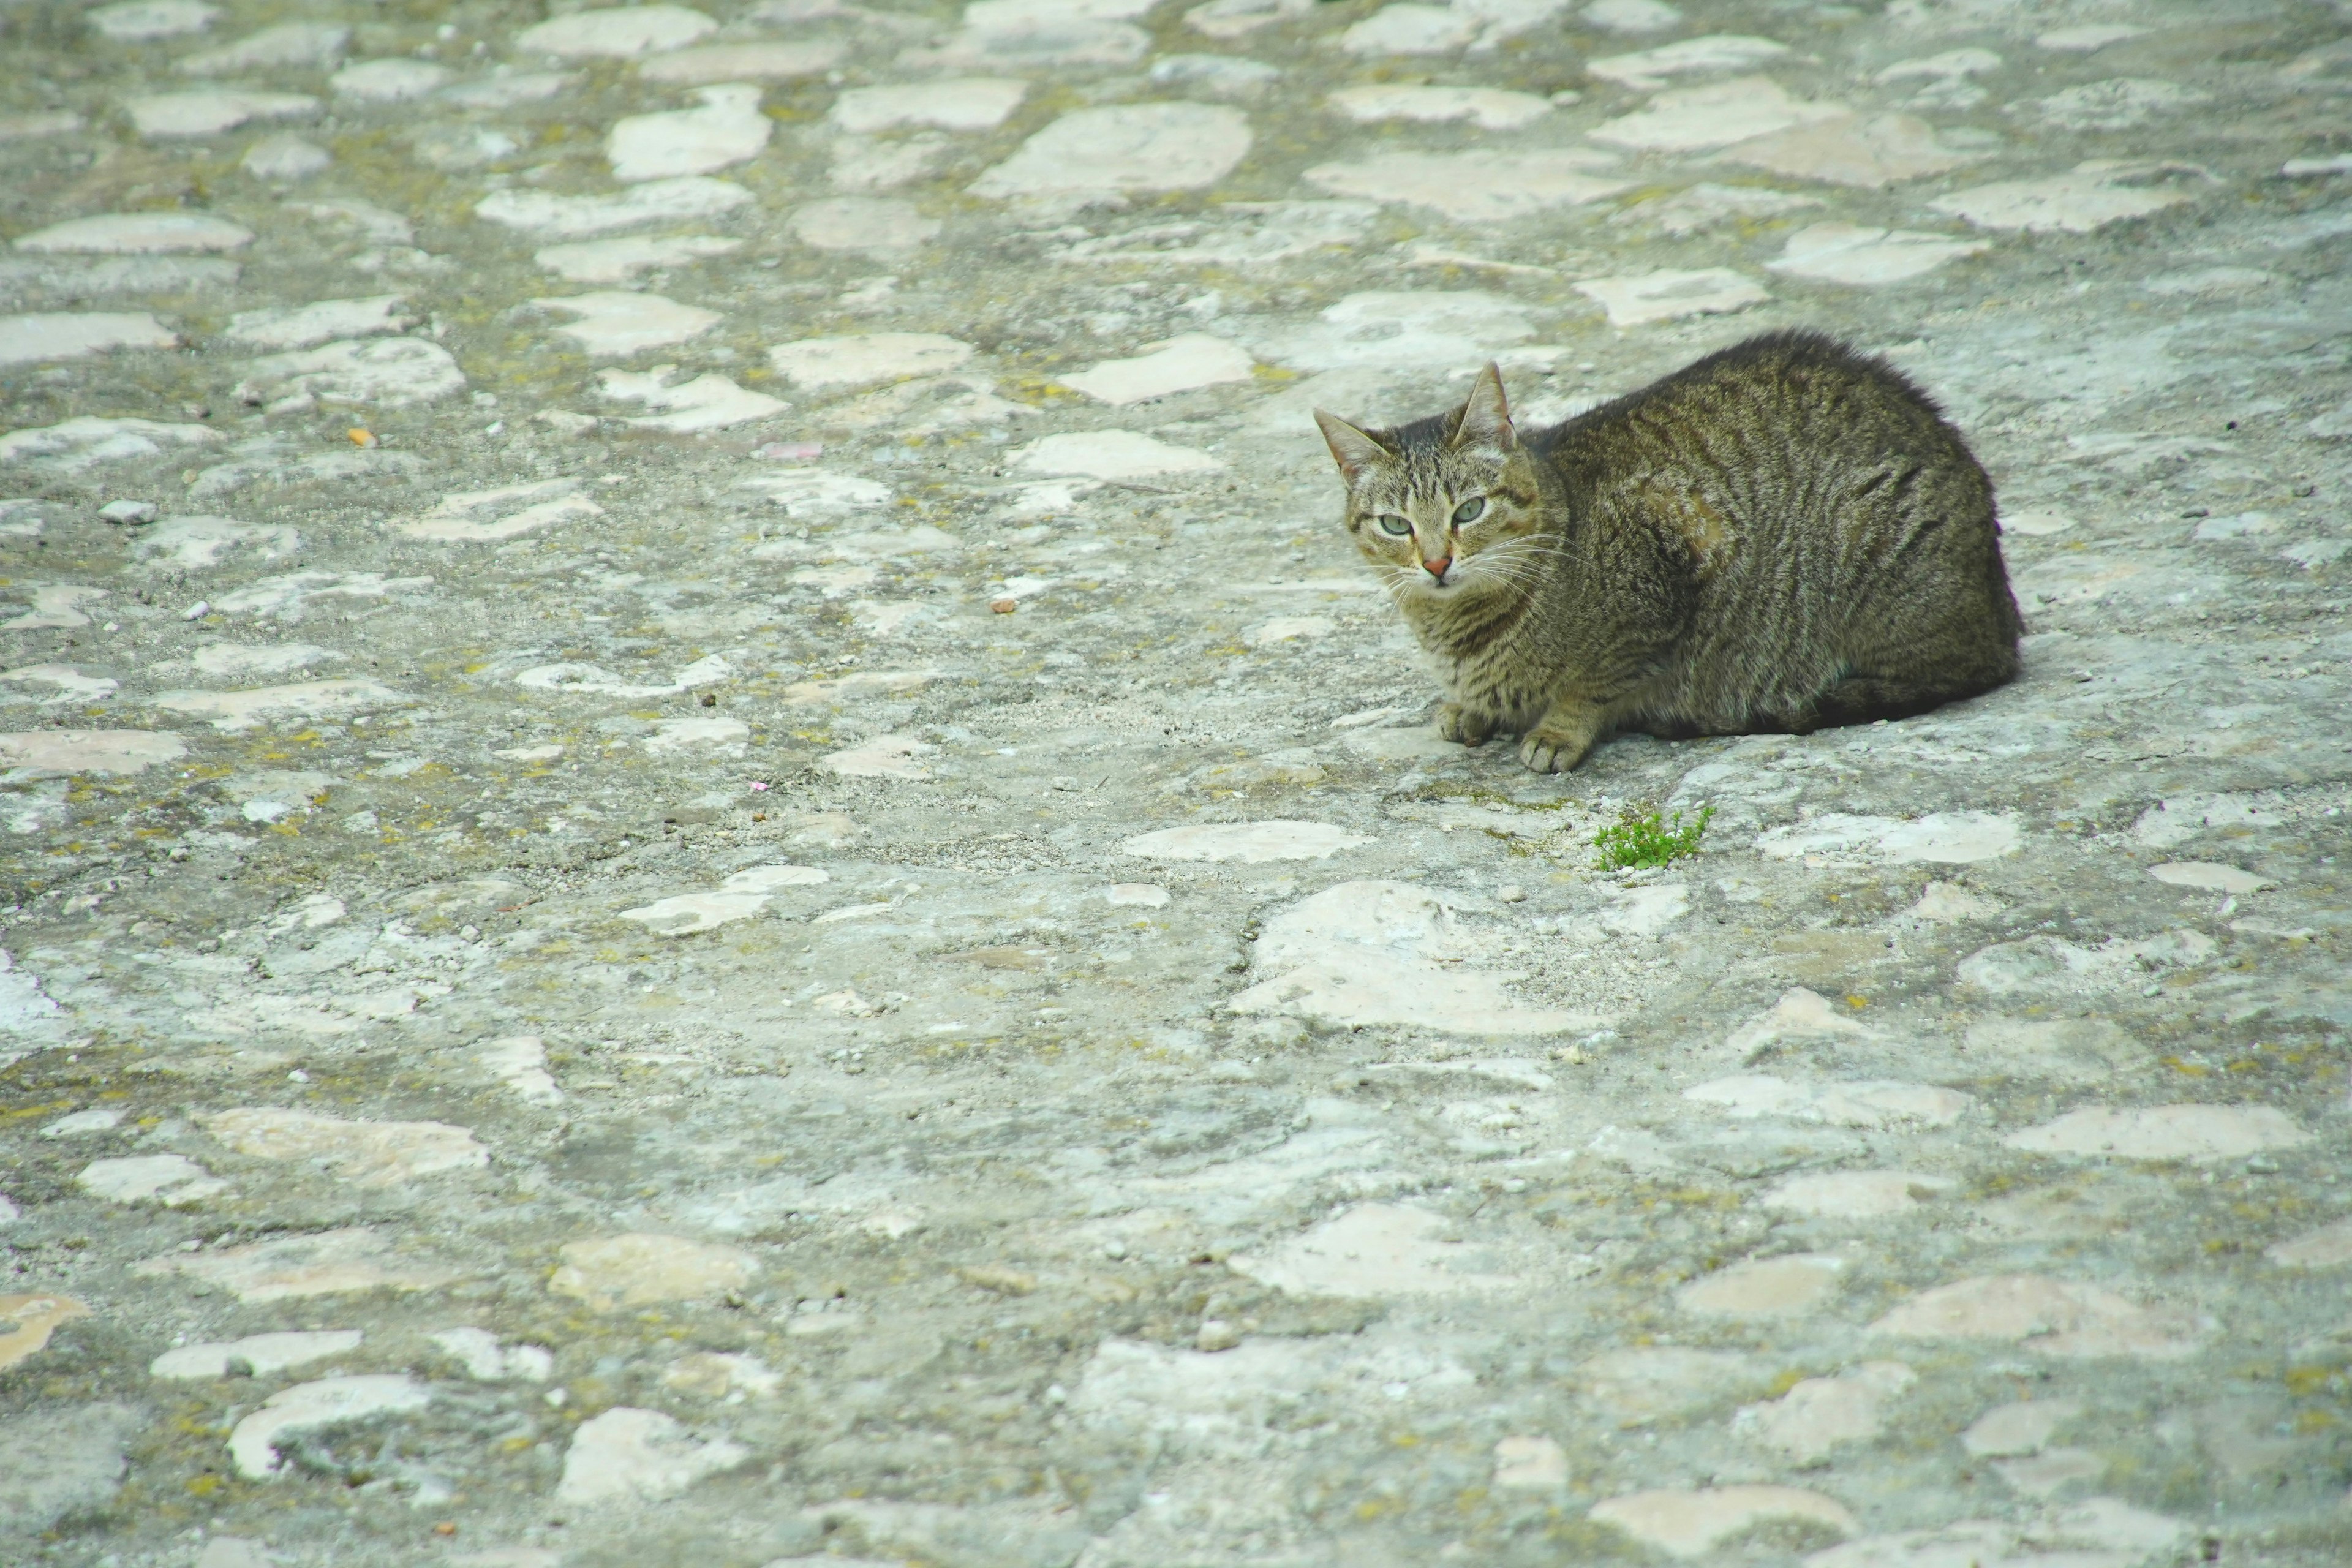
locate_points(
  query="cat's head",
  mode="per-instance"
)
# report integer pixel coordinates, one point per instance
(1443, 506)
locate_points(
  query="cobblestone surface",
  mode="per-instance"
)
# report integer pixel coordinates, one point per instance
(711, 857)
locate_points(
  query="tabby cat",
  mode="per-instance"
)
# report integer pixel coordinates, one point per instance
(1783, 536)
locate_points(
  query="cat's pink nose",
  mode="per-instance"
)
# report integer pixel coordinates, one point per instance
(1437, 568)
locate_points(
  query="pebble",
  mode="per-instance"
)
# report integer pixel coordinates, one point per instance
(307, 1407)
(1689, 1523)
(137, 233)
(367, 1153)
(713, 63)
(171, 1179)
(1371, 1251)
(1854, 1194)
(640, 1269)
(1530, 1465)
(875, 225)
(631, 1455)
(2054, 1317)
(255, 1355)
(1645, 70)
(1179, 365)
(30, 339)
(725, 129)
(1764, 1287)
(1853, 254)
(1370, 953)
(1112, 455)
(689, 199)
(1669, 294)
(1821, 1414)
(2199, 1133)
(616, 32)
(1476, 187)
(1130, 148)
(212, 111)
(27, 1319)
(2011, 1431)
(967, 103)
(2088, 197)
(324, 1264)
(614, 323)
(1490, 109)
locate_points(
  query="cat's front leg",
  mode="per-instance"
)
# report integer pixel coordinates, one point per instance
(1561, 737)
(1456, 722)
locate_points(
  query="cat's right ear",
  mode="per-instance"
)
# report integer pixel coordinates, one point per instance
(1352, 449)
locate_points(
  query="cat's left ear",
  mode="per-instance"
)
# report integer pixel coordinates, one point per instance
(1486, 418)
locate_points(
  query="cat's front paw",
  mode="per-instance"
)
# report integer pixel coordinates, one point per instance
(1552, 751)
(1455, 723)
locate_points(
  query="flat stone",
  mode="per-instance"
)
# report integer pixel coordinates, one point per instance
(325, 1264)
(1877, 1103)
(684, 914)
(391, 373)
(1870, 154)
(1409, 30)
(1112, 455)
(2010, 1431)
(2098, 1532)
(2199, 1133)
(59, 1460)
(2116, 104)
(725, 129)
(1491, 108)
(307, 1407)
(211, 112)
(289, 44)
(1135, 895)
(1799, 1015)
(137, 21)
(867, 358)
(2330, 1246)
(27, 1319)
(1222, 75)
(1252, 843)
(859, 683)
(1632, 16)
(1690, 1524)
(640, 1269)
(1687, 118)
(64, 335)
(2036, 521)
(520, 1061)
(2209, 876)
(1854, 1194)
(1288, 628)
(1179, 365)
(1668, 295)
(135, 234)
(1654, 1382)
(731, 1377)
(505, 512)
(1359, 953)
(709, 401)
(1849, 253)
(2087, 197)
(302, 326)
(1821, 1414)
(724, 737)
(966, 103)
(742, 62)
(198, 543)
(1371, 1251)
(394, 80)
(589, 678)
(1524, 1464)
(619, 260)
(2054, 1317)
(284, 156)
(232, 711)
(1030, 34)
(2050, 1473)
(1645, 70)
(884, 757)
(488, 1360)
(168, 1179)
(1941, 838)
(689, 199)
(256, 1355)
(367, 1153)
(1475, 187)
(1127, 149)
(1402, 329)
(631, 1455)
(613, 324)
(1764, 1287)
(873, 224)
(615, 32)
(40, 753)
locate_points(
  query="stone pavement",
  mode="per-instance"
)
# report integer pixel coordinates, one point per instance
(713, 860)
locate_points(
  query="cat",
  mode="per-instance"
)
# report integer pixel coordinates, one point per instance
(1783, 535)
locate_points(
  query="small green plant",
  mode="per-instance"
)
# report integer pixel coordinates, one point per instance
(1641, 839)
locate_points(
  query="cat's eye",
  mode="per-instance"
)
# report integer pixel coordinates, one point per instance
(1470, 511)
(1392, 525)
